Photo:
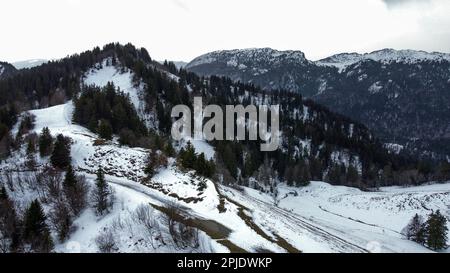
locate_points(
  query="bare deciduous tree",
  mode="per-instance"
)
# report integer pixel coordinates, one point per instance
(106, 242)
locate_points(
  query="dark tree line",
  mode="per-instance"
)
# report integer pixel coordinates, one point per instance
(431, 233)
(108, 111)
(191, 160)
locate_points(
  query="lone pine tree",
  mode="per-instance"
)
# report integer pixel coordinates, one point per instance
(3, 193)
(70, 179)
(60, 157)
(436, 231)
(75, 190)
(36, 231)
(45, 142)
(105, 130)
(102, 195)
(9, 223)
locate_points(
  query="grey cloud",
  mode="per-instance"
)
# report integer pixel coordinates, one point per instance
(181, 4)
(398, 3)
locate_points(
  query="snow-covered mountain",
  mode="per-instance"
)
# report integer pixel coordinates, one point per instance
(180, 64)
(380, 89)
(265, 67)
(259, 56)
(384, 56)
(254, 202)
(29, 63)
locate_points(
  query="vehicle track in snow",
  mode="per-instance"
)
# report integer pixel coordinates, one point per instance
(296, 222)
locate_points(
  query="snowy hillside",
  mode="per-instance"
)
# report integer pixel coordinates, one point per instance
(344, 60)
(123, 167)
(317, 218)
(370, 220)
(105, 72)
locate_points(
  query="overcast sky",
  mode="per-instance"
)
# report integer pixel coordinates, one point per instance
(184, 29)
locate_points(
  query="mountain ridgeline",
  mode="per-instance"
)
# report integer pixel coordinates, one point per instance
(316, 144)
(402, 95)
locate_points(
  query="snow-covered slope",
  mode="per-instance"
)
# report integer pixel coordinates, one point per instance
(123, 166)
(388, 55)
(370, 220)
(122, 78)
(316, 218)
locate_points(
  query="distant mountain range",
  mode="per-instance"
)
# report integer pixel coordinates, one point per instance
(403, 95)
(9, 69)
(29, 63)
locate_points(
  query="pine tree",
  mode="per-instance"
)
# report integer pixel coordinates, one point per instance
(60, 157)
(70, 180)
(9, 222)
(36, 231)
(188, 156)
(352, 176)
(102, 194)
(75, 190)
(169, 150)
(45, 142)
(303, 175)
(248, 165)
(229, 159)
(200, 164)
(3, 194)
(415, 230)
(436, 231)
(30, 147)
(210, 168)
(155, 162)
(105, 130)
(334, 174)
(31, 158)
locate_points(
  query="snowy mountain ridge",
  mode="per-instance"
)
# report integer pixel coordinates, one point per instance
(387, 55)
(376, 89)
(239, 57)
(29, 63)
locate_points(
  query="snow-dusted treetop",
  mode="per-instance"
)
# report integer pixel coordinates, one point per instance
(387, 55)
